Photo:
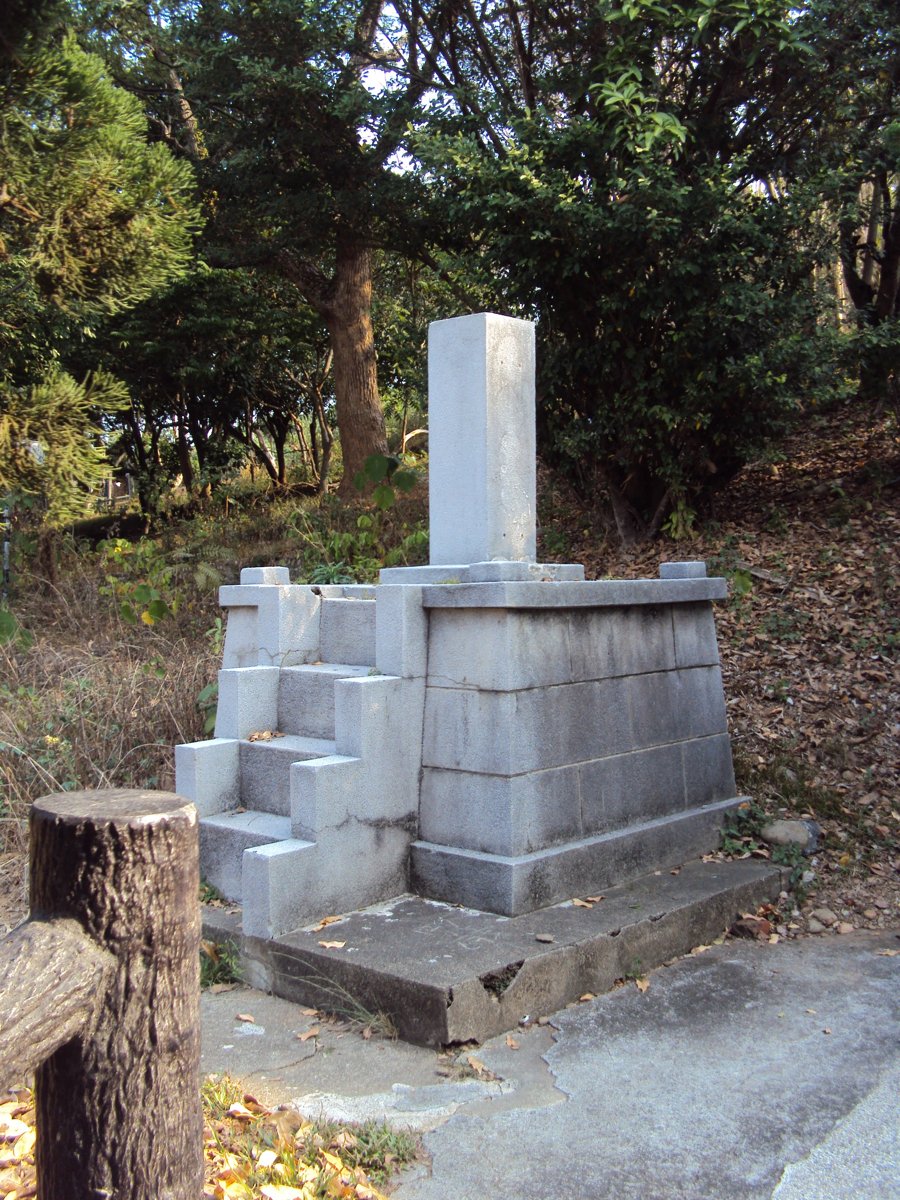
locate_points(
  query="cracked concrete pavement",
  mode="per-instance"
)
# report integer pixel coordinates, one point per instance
(749, 1071)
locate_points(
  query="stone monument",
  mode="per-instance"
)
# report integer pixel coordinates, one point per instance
(486, 730)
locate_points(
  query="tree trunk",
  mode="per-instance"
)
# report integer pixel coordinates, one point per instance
(360, 419)
(118, 1109)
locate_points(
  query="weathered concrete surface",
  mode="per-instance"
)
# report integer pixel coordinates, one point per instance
(717, 1083)
(447, 974)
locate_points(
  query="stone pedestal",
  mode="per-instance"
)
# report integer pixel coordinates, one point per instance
(574, 737)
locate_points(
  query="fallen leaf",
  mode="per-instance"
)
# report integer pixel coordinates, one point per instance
(310, 1033)
(811, 1011)
(512, 1043)
(826, 1031)
(587, 996)
(642, 984)
(240, 1112)
(216, 988)
(887, 953)
(595, 899)
(281, 1191)
(582, 904)
(544, 937)
(333, 945)
(268, 1158)
(248, 1017)
(328, 921)
(310, 1012)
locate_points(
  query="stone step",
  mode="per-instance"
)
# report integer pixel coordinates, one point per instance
(265, 770)
(347, 631)
(224, 838)
(306, 697)
(448, 975)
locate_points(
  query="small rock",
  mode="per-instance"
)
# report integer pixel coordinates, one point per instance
(825, 915)
(870, 913)
(845, 927)
(808, 877)
(804, 834)
(815, 926)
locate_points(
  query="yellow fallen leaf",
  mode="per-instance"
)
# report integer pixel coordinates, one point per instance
(887, 953)
(582, 904)
(281, 1191)
(310, 1012)
(328, 921)
(310, 1033)
(333, 945)
(642, 984)
(268, 1158)
(25, 1144)
(333, 1161)
(248, 1017)
(12, 1130)
(587, 996)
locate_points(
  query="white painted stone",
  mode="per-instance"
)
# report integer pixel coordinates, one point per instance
(489, 572)
(481, 439)
(207, 773)
(591, 593)
(248, 701)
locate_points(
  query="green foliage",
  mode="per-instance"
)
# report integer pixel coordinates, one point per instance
(220, 962)
(93, 220)
(389, 477)
(622, 203)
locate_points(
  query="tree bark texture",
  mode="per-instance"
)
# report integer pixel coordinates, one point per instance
(344, 302)
(50, 978)
(118, 1109)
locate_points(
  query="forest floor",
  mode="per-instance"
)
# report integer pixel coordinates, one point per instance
(809, 641)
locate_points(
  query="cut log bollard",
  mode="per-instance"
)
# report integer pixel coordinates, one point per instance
(114, 911)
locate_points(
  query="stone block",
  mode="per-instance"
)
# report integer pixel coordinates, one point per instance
(248, 701)
(695, 635)
(347, 632)
(481, 439)
(511, 885)
(208, 773)
(607, 642)
(306, 697)
(266, 767)
(631, 789)
(498, 815)
(695, 569)
(379, 719)
(672, 706)
(401, 631)
(270, 625)
(275, 882)
(256, 575)
(223, 840)
(592, 593)
(323, 794)
(489, 572)
(509, 733)
(708, 769)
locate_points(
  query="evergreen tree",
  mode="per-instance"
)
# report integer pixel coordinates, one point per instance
(92, 220)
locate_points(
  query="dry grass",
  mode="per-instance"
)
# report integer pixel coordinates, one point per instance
(87, 701)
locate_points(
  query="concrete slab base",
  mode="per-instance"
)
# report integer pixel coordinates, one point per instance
(449, 975)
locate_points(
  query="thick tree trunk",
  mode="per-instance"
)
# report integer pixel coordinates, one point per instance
(118, 1109)
(360, 418)
(345, 304)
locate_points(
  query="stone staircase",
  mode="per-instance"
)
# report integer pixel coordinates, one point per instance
(302, 789)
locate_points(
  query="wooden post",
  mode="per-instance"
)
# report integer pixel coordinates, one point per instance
(118, 1107)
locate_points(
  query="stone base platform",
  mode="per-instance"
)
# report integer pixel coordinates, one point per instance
(450, 975)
